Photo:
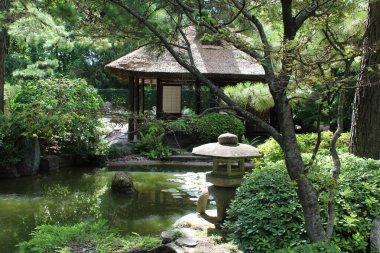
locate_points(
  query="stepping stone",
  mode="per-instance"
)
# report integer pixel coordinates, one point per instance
(186, 242)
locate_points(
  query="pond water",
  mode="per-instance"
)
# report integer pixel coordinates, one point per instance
(76, 194)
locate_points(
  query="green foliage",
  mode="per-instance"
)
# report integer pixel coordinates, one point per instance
(271, 150)
(210, 126)
(251, 96)
(266, 214)
(151, 141)
(119, 150)
(185, 125)
(37, 70)
(10, 92)
(9, 143)
(63, 111)
(118, 97)
(140, 242)
(319, 247)
(97, 235)
(63, 206)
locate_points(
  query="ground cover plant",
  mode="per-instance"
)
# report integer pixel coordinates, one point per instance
(266, 216)
(84, 236)
(151, 143)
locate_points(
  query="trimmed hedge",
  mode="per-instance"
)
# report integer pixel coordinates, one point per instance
(266, 215)
(210, 126)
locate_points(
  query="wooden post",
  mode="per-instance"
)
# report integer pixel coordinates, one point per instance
(136, 96)
(136, 102)
(197, 97)
(131, 92)
(141, 99)
(159, 99)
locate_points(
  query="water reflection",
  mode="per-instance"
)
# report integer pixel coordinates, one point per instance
(68, 197)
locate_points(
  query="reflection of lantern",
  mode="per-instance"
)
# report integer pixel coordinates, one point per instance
(228, 168)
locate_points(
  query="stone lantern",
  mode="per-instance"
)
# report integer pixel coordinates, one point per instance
(228, 168)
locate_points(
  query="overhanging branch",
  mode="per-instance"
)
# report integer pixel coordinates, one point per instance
(249, 116)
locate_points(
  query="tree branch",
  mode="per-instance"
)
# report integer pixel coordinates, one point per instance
(305, 13)
(249, 116)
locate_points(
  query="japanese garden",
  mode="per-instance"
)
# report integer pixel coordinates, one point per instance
(189, 126)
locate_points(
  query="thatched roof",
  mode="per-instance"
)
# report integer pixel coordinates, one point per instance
(221, 62)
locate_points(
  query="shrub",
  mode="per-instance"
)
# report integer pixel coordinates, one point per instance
(210, 126)
(9, 143)
(119, 150)
(266, 214)
(186, 125)
(150, 142)
(319, 247)
(63, 112)
(118, 97)
(271, 150)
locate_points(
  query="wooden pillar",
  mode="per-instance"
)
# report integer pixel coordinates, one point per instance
(197, 97)
(136, 102)
(159, 99)
(141, 99)
(131, 106)
(136, 96)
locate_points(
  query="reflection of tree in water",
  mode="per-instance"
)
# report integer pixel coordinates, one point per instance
(62, 206)
(146, 210)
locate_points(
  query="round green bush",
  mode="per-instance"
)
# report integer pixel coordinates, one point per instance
(266, 215)
(210, 126)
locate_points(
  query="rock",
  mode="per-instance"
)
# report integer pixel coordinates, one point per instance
(66, 160)
(169, 236)
(375, 236)
(177, 233)
(228, 139)
(186, 242)
(202, 202)
(159, 249)
(31, 161)
(195, 220)
(49, 163)
(9, 172)
(223, 197)
(107, 107)
(122, 183)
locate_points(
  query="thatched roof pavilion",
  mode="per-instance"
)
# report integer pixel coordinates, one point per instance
(222, 64)
(219, 62)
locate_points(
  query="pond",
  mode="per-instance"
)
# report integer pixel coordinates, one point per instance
(72, 195)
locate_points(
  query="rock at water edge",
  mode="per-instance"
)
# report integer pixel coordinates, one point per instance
(122, 183)
(30, 164)
(49, 163)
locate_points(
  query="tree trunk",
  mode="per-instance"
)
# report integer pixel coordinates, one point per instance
(307, 194)
(3, 45)
(365, 129)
